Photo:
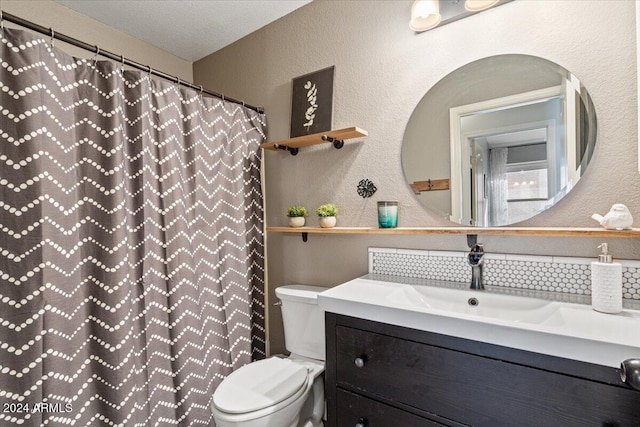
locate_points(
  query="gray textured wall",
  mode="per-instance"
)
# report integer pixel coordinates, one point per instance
(383, 69)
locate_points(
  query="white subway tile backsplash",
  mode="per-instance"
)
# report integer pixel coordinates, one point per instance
(628, 262)
(452, 254)
(571, 260)
(527, 272)
(536, 258)
(413, 252)
(371, 254)
(453, 268)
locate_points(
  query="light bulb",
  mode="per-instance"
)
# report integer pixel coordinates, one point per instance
(425, 14)
(478, 5)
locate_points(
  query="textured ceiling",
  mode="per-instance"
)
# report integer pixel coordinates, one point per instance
(188, 29)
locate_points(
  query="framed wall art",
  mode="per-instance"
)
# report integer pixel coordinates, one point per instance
(312, 103)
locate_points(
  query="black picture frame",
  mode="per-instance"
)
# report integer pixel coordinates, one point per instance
(312, 102)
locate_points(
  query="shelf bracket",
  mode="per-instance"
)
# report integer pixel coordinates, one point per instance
(337, 143)
(305, 236)
(293, 151)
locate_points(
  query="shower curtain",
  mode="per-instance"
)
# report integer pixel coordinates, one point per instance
(131, 242)
(498, 191)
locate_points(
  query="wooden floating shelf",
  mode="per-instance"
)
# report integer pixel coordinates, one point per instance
(336, 137)
(509, 231)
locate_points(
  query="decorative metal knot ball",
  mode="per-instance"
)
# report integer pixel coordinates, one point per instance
(366, 188)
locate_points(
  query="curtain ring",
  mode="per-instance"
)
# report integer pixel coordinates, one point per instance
(95, 56)
(201, 90)
(223, 97)
(1, 21)
(53, 34)
(149, 72)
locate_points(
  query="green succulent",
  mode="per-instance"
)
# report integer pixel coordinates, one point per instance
(296, 211)
(327, 209)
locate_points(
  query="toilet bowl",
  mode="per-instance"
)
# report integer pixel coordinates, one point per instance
(281, 391)
(271, 393)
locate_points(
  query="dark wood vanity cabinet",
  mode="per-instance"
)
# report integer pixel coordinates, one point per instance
(379, 375)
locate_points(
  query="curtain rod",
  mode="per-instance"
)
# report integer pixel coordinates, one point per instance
(95, 49)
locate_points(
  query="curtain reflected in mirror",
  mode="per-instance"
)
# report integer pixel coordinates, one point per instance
(498, 208)
(518, 141)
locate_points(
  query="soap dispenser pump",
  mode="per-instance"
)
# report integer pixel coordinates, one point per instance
(606, 283)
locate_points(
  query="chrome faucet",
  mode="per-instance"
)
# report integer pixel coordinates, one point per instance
(476, 260)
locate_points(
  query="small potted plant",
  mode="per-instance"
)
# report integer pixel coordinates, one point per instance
(296, 216)
(327, 215)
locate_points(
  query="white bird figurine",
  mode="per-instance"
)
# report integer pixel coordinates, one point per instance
(618, 218)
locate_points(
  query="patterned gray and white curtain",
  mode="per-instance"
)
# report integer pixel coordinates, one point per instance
(498, 191)
(131, 242)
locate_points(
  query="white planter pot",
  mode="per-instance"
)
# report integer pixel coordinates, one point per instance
(296, 221)
(327, 221)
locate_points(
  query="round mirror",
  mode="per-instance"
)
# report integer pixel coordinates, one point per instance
(499, 140)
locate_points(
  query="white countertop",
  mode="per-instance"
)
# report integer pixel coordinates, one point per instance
(557, 328)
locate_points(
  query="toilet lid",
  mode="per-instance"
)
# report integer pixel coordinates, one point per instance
(258, 385)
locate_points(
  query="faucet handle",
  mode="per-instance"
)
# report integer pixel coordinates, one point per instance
(476, 254)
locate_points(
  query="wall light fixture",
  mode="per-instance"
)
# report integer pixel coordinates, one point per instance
(428, 14)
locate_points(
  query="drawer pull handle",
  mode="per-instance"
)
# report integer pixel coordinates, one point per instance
(359, 362)
(630, 373)
(362, 422)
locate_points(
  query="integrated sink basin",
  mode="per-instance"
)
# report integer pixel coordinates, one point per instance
(473, 303)
(533, 322)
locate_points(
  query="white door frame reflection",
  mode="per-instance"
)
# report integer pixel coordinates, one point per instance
(509, 122)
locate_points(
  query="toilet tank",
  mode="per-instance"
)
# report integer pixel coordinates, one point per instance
(303, 320)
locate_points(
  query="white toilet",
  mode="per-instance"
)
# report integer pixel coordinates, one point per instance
(281, 391)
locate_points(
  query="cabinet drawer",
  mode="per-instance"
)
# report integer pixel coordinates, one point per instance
(354, 409)
(476, 390)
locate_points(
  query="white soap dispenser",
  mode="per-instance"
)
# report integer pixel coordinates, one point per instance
(606, 283)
